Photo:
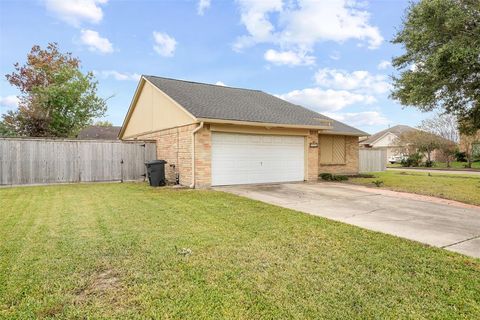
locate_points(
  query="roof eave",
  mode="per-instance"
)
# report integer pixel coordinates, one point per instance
(344, 133)
(265, 124)
(140, 85)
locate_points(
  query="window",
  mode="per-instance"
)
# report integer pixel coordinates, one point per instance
(332, 149)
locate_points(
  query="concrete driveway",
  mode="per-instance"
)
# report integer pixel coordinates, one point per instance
(433, 221)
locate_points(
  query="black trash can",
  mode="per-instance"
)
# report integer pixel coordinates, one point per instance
(156, 172)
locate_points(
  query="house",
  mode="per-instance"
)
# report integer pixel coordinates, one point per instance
(99, 133)
(216, 135)
(386, 139)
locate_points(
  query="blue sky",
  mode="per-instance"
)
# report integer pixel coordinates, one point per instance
(329, 55)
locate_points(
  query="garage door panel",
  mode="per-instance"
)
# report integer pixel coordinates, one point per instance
(243, 158)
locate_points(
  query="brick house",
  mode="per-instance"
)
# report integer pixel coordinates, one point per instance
(217, 135)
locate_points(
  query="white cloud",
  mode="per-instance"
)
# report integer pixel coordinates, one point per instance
(220, 83)
(75, 12)
(360, 119)
(164, 44)
(299, 26)
(361, 81)
(95, 42)
(384, 64)
(9, 101)
(290, 58)
(121, 76)
(202, 6)
(254, 15)
(326, 100)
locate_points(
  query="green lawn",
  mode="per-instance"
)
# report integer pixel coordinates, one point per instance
(460, 187)
(130, 251)
(443, 165)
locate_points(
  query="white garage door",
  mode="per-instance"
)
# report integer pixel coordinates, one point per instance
(244, 158)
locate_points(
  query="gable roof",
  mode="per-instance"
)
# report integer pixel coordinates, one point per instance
(397, 130)
(99, 133)
(208, 101)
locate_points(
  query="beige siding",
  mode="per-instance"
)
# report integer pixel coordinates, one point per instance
(154, 111)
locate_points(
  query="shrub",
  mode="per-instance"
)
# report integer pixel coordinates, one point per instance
(326, 176)
(413, 160)
(460, 156)
(429, 163)
(364, 175)
(340, 178)
(378, 183)
(331, 177)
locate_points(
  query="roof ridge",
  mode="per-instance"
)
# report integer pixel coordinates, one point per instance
(203, 83)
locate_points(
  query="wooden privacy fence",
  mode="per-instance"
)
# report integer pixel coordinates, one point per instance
(37, 161)
(372, 160)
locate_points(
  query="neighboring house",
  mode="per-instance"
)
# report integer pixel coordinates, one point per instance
(240, 136)
(99, 133)
(387, 139)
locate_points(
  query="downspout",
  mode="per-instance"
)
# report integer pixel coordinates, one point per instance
(193, 153)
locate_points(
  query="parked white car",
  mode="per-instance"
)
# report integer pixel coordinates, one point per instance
(396, 158)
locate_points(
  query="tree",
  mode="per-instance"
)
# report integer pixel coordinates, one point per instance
(446, 127)
(103, 124)
(447, 149)
(468, 143)
(440, 68)
(5, 131)
(56, 98)
(420, 141)
(443, 125)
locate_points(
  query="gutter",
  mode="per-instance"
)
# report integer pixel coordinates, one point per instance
(193, 153)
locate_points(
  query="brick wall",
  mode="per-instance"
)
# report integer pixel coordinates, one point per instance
(312, 156)
(351, 159)
(174, 145)
(203, 153)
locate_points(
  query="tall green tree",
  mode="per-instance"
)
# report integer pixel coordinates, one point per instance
(56, 98)
(440, 68)
(5, 130)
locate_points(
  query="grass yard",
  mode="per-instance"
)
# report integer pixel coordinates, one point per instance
(443, 165)
(130, 251)
(461, 187)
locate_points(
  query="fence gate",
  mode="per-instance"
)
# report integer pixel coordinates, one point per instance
(372, 160)
(39, 161)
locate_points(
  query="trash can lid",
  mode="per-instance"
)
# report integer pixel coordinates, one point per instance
(156, 162)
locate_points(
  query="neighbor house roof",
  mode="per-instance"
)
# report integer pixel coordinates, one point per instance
(208, 101)
(99, 133)
(397, 130)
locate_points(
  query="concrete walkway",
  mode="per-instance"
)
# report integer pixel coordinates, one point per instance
(438, 171)
(445, 224)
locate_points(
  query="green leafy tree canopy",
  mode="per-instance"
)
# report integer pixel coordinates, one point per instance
(56, 98)
(440, 68)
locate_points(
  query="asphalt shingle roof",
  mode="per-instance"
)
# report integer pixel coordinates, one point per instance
(397, 130)
(220, 102)
(99, 133)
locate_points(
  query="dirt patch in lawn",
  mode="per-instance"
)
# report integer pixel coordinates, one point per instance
(103, 283)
